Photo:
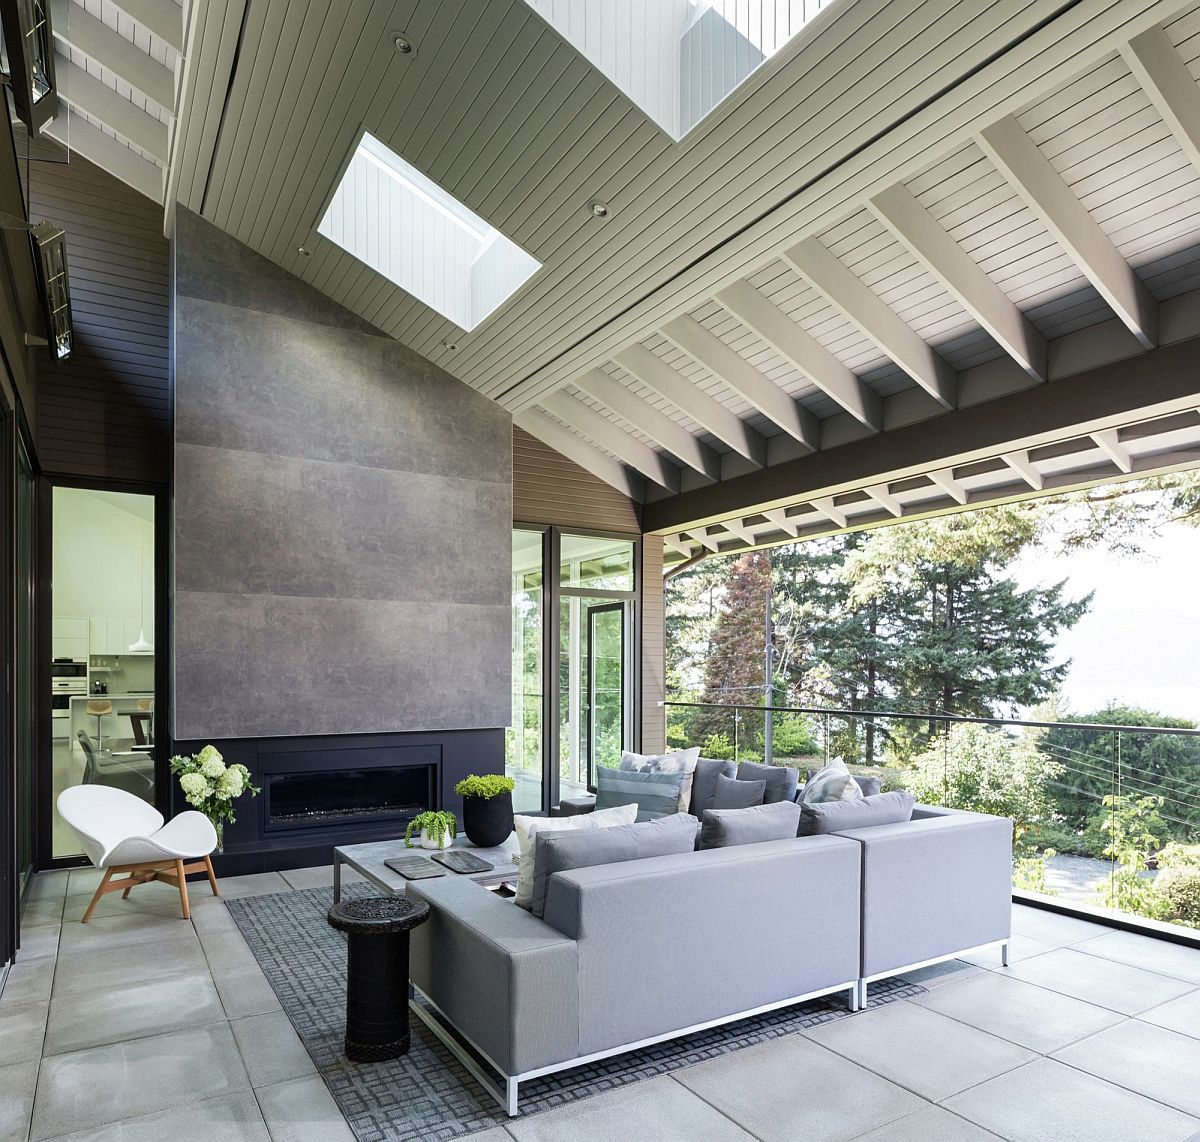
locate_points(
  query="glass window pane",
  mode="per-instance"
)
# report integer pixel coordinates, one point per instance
(599, 564)
(523, 741)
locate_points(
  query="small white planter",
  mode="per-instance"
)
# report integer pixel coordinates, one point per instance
(430, 841)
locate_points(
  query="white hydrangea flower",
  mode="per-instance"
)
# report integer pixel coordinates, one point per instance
(195, 787)
(213, 767)
(231, 784)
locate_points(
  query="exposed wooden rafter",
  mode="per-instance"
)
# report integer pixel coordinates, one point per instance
(1165, 78)
(563, 440)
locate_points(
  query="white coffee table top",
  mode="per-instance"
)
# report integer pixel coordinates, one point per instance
(368, 860)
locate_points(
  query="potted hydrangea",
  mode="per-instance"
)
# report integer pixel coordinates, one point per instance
(211, 786)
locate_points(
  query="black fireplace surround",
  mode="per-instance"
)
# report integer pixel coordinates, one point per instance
(318, 792)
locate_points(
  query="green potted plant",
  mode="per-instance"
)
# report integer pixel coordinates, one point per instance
(436, 826)
(211, 786)
(487, 808)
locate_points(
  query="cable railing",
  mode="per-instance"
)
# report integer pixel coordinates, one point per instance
(1107, 816)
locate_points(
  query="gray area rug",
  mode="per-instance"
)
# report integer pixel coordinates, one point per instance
(427, 1094)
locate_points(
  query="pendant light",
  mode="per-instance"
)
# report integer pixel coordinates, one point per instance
(142, 646)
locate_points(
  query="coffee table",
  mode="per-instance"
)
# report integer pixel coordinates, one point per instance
(368, 861)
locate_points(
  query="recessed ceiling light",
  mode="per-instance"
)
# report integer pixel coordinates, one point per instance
(599, 209)
(402, 44)
(304, 251)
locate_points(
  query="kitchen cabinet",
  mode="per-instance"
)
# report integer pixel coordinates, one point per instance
(114, 636)
(69, 638)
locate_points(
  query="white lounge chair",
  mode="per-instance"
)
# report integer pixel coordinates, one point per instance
(121, 833)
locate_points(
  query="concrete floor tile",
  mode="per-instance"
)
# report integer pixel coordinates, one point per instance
(18, 1081)
(271, 1049)
(302, 1110)
(319, 876)
(155, 898)
(214, 919)
(236, 1117)
(492, 1134)
(1041, 1020)
(22, 1030)
(938, 975)
(226, 948)
(932, 1124)
(244, 991)
(39, 941)
(255, 884)
(1019, 948)
(48, 911)
(84, 879)
(1047, 1101)
(142, 1007)
(119, 930)
(1150, 1060)
(1053, 927)
(49, 885)
(927, 1053)
(28, 980)
(769, 1091)
(101, 968)
(659, 1108)
(1175, 960)
(101, 1085)
(1182, 1015)
(1106, 983)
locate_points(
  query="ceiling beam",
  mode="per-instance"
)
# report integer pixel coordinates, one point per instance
(165, 20)
(735, 371)
(880, 494)
(74, 26)
(614, 439)
(739, 531)
(675, 543)
(829, 509)
(863, 306)
(561, 439)
(701, 536)
(652, 370)
(86, 93)
(805, 352)
(1020, 463)
(1165, 78)
(1109, 442)
(108, 154)
(780, 519)
(948, 484)
(665, 432)
(898, 209)
(1045, 192)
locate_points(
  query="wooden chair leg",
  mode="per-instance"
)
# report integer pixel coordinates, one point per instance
(212, 876)
(99, 892)
(183, 899)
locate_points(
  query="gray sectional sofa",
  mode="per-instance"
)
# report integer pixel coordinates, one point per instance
(644, 950)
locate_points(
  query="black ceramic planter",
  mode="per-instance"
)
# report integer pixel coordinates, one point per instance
(487, 820)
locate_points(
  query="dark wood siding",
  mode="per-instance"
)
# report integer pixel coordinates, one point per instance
(106, 413)
(550, 489)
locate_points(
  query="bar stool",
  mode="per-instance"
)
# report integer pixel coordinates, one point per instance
(98, 708)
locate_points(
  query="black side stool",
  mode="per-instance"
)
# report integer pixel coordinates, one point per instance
(377, 973)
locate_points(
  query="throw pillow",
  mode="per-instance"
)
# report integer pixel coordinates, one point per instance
(561, 851)
(681, 761)
(817, 818)
(725, 827)
(651, 794)
(738, 794)
(704, 784)
(527, 829)
(833, 783)
(781, 780)
(869, 785)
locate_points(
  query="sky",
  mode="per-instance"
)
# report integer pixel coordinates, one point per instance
(1140, 642)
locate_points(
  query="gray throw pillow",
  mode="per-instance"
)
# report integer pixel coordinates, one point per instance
(781, 779)
(870, 786)
(560, 851)
(725, 827)
(737, 794)
(704, 783)
(821, 817)
(654, 794)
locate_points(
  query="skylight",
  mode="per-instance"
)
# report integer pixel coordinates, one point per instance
(678, 59)
(387, 214)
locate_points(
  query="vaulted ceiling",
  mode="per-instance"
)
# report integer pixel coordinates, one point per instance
(912, 208)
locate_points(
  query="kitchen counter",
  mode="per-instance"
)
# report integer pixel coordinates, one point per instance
(133, 695)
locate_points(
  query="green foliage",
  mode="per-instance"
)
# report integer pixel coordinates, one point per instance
(792, 736)
(989, 771)
(718, 747)
(1127, 829)
(1029, 873)
(436, 822)
(486, 787)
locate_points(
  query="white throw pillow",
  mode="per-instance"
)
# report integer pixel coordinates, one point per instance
(681, 761)
(833, 783)
(527, 829)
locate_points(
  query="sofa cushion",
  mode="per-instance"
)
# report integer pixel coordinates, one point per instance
(781, 779)
(737, 794)
(527, 829)
(723, 828)
(704, 783)
(860, 813)
(560, 851)
(652, 794)
(833, 783)
(681, 761)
